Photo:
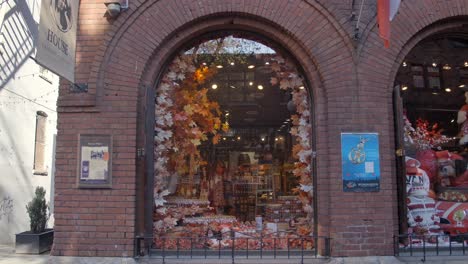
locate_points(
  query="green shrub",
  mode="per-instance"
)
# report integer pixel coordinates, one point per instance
(37, 210)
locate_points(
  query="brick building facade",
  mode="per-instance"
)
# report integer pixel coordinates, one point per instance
(351, 74)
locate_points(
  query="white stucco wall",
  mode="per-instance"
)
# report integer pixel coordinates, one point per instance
(22, 93)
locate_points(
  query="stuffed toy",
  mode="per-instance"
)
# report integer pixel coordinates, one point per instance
(422, 218)
(447, 169)
(428, 160)
(463, 121)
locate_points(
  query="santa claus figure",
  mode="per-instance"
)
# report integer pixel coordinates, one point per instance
(463, 121)
(422, 218)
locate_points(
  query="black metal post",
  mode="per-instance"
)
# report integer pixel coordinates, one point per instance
(247, 248)
(177, 250)
(261, 246)
(274, 247)
(205, 246)
(164, 250)
(302, 250)
(424, 250)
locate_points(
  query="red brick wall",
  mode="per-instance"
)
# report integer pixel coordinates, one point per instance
(351, 86)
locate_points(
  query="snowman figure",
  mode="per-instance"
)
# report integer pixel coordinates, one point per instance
(421, 214)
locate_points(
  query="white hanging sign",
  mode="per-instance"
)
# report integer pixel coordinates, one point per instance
(57, 37)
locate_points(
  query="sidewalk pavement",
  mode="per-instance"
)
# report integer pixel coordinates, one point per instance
(7, 256)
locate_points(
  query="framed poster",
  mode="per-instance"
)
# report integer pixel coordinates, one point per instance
(360, 161)
(95, 161)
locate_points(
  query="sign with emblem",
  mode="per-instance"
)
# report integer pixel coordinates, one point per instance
(360, 161)
(57, 37)
(95, 161)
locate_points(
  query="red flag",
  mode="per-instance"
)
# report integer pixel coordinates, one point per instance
(383, 19)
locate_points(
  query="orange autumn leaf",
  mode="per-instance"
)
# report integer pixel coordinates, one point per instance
(216, 139)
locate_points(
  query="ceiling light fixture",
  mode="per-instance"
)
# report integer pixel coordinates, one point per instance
(276, 139)
(238, 138)
(251, 66)
(260, 87)
(214, 86)
(448, 90)
(404, 88)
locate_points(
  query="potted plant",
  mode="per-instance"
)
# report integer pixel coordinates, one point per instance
(38, 239)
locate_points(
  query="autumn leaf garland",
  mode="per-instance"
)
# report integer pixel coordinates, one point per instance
(287, 78)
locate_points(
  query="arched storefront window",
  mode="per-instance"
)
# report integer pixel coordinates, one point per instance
(232, 147)
(433, 87)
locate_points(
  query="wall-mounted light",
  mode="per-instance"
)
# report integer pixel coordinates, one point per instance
(250, 83)
(260, 87)
(214, 86)
(405, 64)
(448, 90)
(115, 8)
(232, 63)
(219, 66)
(434, 64)
(461, 86)
(465, 64)
(301, 87)
(446, 67)
(251, 66)
(404, 88)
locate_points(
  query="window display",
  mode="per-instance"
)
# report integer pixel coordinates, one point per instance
(436, 144)
(232, 148)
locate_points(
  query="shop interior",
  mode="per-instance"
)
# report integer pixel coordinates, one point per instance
(433, 86)
(239, 113)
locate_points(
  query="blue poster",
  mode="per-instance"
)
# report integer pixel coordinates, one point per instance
(360, 162)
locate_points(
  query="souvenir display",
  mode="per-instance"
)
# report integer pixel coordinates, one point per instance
(436, 180)
(232, 150)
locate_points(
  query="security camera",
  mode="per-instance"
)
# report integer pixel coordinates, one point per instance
(113, 9)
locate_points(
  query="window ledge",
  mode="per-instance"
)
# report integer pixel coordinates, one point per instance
(40, 173)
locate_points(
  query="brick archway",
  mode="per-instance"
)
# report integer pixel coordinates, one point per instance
(445, 25)
(138, 44)
(234, 23)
